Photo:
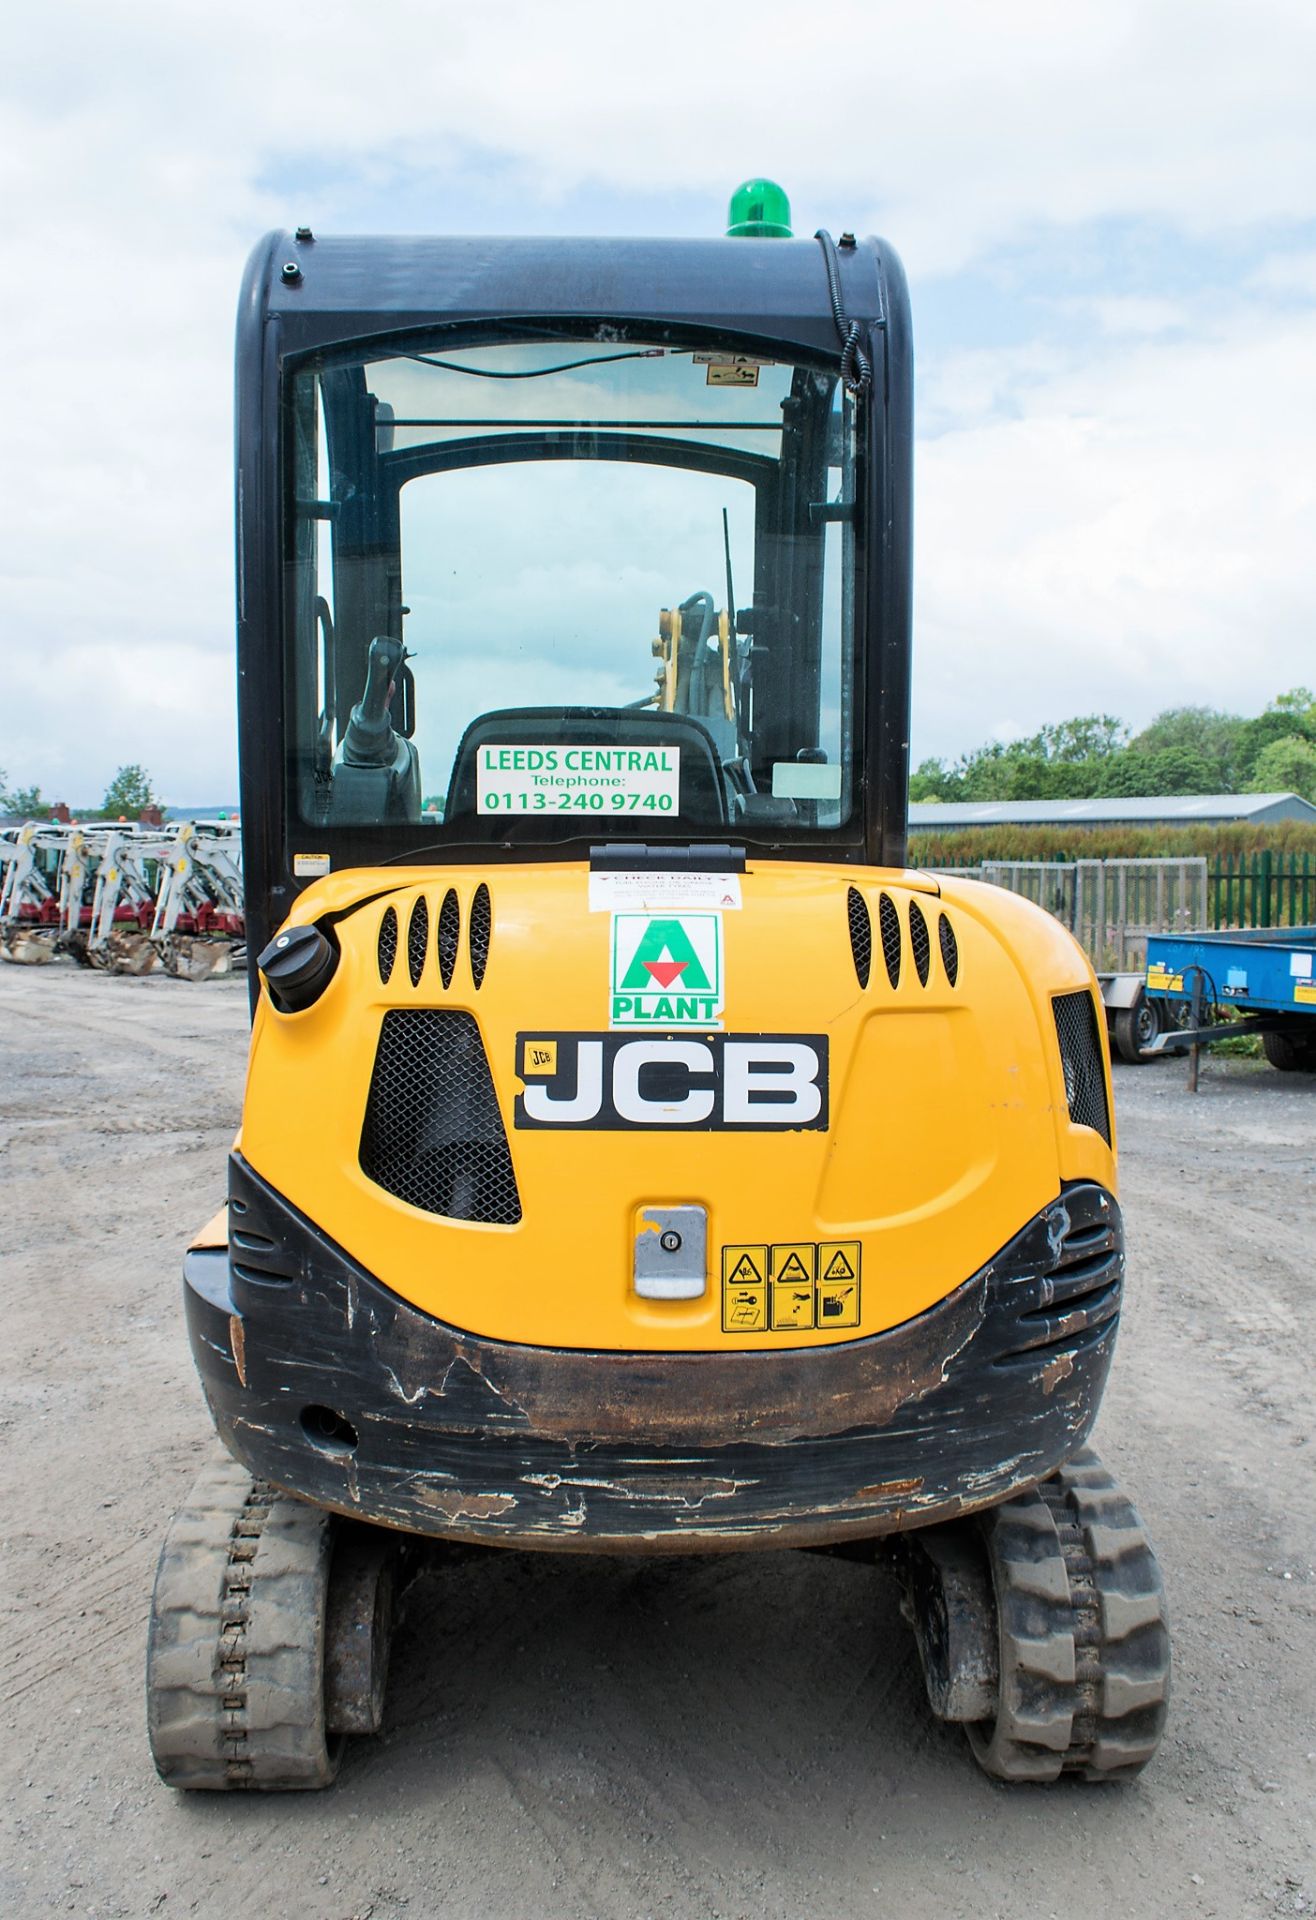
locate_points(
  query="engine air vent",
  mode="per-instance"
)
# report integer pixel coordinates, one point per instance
(920, 943)
(888, 921)
(388, 944)
(433, 1133)
(480, 928)
(1080, 1056)
(861, 934)
(418, 938)
(450, 933)
(950, 949)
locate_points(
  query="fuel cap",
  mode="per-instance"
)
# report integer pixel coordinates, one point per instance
(296, 967)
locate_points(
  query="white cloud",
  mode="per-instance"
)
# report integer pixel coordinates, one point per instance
(1291, 273)
(1142, 503)
(1136, 535)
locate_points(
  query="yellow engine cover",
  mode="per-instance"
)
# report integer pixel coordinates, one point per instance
(942, 1124)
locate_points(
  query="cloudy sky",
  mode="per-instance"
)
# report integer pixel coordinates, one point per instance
(1108, 213)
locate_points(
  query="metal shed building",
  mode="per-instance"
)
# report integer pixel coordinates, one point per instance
(1152, 810)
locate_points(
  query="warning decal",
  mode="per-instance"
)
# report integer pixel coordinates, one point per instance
(792, 1286)
(744, 1289)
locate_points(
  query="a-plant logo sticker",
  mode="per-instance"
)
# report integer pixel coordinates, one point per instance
(666, 970)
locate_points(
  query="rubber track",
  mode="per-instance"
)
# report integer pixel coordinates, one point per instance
(235, 1651)
(1084, 1637)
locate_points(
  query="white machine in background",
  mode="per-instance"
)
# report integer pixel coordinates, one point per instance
(123, 897)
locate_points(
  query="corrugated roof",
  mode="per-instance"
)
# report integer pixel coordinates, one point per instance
(1187, 807)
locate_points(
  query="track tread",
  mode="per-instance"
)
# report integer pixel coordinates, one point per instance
(235, 1652)
(1084, 1639)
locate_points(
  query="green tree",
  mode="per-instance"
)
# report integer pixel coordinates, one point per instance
(933, 780)
(1290, 715)
(22, 800)
(1169, 770)
(128, 792)
(1092, 736)
(1214, 740)
(1286, 765)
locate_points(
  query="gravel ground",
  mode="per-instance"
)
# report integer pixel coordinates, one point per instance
(740, 1736)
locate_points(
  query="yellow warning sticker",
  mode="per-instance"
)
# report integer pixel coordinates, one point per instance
(1166, 981)
(729, 369)
(838, 1303)
(744, 1309)
(745, 1289)
(744, 1266)
(838, 1260)
(796, 1263)
(792, 1268)
(1304, 993)
(792, 1286)
(792, 1305)
(541, 1056)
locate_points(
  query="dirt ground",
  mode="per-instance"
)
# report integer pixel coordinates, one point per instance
(740, 1736)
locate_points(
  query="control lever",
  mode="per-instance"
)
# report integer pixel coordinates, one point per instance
(377, 770)
(370, 739)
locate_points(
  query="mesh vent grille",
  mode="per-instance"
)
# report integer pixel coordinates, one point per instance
(480, 929)
(388, 944)
(1080, 1056)
(920, 944)
(450, 933)
(950, 951)
(861, 934)
(433, 1134)
(889, 922)
(418, 938)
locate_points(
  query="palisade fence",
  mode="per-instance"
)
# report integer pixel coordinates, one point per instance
(1110, 906)
(1266, 889)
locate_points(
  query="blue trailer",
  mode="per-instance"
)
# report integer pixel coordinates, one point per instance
(1265, 978)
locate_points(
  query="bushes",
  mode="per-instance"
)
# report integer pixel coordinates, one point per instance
(966, 846)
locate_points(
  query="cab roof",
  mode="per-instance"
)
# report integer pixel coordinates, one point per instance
(773, 289)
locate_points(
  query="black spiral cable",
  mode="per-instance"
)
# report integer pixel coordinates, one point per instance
(856, 367)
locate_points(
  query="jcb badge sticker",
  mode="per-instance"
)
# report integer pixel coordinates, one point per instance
(607, 1082)
(666, 970)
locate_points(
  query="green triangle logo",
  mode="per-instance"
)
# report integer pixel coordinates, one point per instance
(665, 957)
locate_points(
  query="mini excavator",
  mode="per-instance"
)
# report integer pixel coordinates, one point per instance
(637, 1155)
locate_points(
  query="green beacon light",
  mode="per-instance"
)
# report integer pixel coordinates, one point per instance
(759, 210)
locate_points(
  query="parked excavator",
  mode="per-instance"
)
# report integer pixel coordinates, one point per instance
(123, 898)
(637, 1155)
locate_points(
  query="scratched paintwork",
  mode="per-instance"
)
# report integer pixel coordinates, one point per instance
(486, 1441)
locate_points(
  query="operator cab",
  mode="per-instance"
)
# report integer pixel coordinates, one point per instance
(536, 583)
(552, 528)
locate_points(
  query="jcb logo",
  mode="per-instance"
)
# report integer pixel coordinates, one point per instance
(604, 1082)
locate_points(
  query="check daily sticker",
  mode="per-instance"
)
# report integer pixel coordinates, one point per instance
(613, 781)
(666, 970)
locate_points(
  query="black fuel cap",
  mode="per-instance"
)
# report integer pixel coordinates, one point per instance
(296, 967)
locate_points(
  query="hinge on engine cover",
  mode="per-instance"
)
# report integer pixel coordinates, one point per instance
(630, 856)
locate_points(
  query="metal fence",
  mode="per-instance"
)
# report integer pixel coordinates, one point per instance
(1263, 890)
(1110, 906)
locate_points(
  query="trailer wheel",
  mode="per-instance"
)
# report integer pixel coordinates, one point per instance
(1136, 1027)
(1290, 1052)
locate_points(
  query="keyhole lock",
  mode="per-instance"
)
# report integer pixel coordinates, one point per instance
(671, 1252)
